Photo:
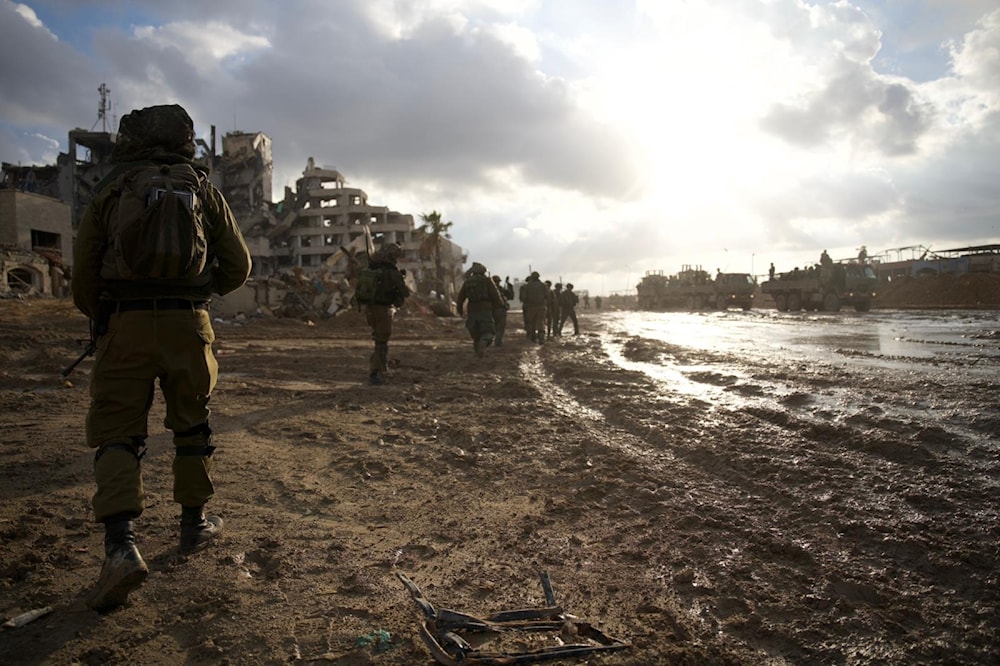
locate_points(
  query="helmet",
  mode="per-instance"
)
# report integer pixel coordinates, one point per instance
(477, 268)
(535, 275)
(391, 251)
(167, 127)
(569, 285)
(496, 278)
(548, 283)
(558, 286)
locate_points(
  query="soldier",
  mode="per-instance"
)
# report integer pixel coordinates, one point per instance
(567, 305)
(500, 313)
(550, 309)
(483, 297)
(390, 293)
(534, 304)
(557, 310)
(147, 295)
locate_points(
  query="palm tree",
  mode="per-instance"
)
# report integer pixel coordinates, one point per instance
(430, 246)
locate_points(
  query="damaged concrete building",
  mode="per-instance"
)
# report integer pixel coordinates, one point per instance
(305, 248)
(35, 235)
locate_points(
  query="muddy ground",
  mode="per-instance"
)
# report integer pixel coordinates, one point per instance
(777, 533)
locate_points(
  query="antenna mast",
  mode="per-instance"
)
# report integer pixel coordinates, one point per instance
(105, 106)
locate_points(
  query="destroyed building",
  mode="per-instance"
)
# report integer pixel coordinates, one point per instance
(35, 235)
(304, 247)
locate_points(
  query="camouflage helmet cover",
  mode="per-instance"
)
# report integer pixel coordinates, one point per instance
(163, 128)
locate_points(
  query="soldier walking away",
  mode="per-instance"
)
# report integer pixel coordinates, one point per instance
(483, 298)
(381, 288)
(567, 306)
(500, 313)
(862, 255)
(157, 240)
(550, 309)
(534, 304)
(556, 310)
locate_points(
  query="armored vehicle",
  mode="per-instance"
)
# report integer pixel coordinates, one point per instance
(735, 290)
(694, 290)
(826, 288)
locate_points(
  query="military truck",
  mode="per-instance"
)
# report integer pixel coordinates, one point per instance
(694, 290)
(823, 287)
(735, 290)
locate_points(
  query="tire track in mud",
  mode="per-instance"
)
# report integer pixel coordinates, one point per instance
(850, 519)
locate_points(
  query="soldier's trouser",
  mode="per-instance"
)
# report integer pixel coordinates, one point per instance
(141, 347)
(379, 317)
(571, 315)
(536, 322)
(500, 324)
(480, 324)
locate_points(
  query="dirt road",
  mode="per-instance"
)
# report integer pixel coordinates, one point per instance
(837, 506)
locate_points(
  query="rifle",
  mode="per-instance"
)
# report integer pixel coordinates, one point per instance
(89, 350)
(98, 328)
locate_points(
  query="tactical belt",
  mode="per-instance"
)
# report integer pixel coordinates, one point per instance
(160, 304)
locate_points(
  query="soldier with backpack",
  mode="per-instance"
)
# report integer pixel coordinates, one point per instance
(535, 301)
(483, 298)
(157, 240)
(381, 287)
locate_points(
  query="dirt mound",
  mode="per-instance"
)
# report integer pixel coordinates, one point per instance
(969, 291)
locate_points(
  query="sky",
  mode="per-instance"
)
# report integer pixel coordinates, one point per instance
(588, 140)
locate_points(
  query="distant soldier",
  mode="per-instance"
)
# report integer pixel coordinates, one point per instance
(388, 290)
(862, 255)
(597, 302)
(825, 260)
(567, 306)
(550, 306)
(770, 272)
(483, 298)
(586, 301)
(534, 304)
(507, 290)
(524, 311)
(557, 310)
(500, 313)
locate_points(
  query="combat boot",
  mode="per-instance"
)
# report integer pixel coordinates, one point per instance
(123, 570)
(197, 529)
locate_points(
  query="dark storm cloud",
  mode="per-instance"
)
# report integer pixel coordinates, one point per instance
(46, 85)
(437, 105)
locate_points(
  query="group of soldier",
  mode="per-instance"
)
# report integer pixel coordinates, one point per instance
(485, 301)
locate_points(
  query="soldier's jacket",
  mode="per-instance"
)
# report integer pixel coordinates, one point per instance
(227, 269)
(568, 300)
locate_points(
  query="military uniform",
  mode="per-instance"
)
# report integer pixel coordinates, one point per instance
(500, 311)
(156, 330)
(567, 308)
(379, 314)
(483, 298)
(535, 303)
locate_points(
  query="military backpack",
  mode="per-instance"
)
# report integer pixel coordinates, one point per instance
(157, 229)
(478, 289)
(374, 287)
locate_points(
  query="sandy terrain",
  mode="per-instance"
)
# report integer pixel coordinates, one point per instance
(797, 529)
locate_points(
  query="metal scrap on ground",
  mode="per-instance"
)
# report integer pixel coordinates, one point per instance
(450, 635)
